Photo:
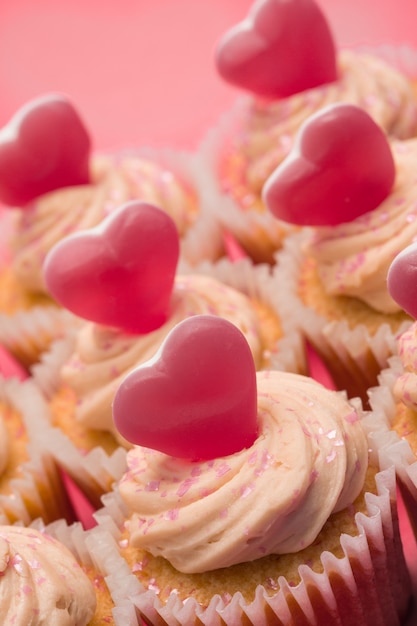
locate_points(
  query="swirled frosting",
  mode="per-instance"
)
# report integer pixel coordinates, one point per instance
(353, 258)
(114, 182)
(268, 129)
(309, 460)
(103, 356)
(41, 582)
(405, 387)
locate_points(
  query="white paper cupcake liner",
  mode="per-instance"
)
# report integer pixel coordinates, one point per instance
(38, 491)
(353, 356)
(260, 233)
(27, 334)
(46, 373)
(95, 472)
(392, 449)
(369, 585)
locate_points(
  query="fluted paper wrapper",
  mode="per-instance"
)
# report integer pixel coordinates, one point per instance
(369, 585)
(258, 231)
(27, 334)
(393, 450)
(94, 472)
(258, 283)
(203, 239)
(353, 356)
(38, 490)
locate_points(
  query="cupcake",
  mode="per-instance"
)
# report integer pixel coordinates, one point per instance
(284, 56)
(77, 189)
(30, 483)
(204, 537)
(124, 283)
(394, 398)
(353, 195)
(45, 582)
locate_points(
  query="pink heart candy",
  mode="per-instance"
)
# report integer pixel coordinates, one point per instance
(119, 273)
(283, 47)
(402, 279)
(196, 399)
(340, 168)
(45, 146)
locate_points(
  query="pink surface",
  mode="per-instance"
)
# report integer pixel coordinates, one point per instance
(141, 71)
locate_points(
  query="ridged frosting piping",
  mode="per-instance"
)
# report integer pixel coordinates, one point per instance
(309, 460)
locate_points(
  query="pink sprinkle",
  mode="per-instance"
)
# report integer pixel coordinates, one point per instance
(34, 564)
(314, 474)
(222, 470)
(265, 463)
(185, 486)
(331, 434)
(27, 590)
(16, 561)
(271, 583)
(196, 471)
(247, 490)
(137, 567)
(331, 457)
(153, 586)
(172, 514)
(252, 458)
(352, 418)
(224, 513)
(149, 524)
(152, 485)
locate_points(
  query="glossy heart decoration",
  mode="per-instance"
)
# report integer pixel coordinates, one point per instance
(119, 273)
(196, 399)
(340, 168)
(45, 146)
(402, 279)
(283, 47)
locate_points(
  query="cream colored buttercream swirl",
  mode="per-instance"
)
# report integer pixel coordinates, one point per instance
(268, 129)
(308, 461)
(59, 213)
(41, 582)
(405, 387)
(103, 356)
(353, 258)
(4, 443)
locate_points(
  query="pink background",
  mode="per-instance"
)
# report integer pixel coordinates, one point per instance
(141, 71)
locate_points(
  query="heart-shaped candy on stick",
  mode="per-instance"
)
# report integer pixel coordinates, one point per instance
(340, 168)
(45, 146)
(402, 279)
(283, 47)
(121, 272)
(196, 398)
